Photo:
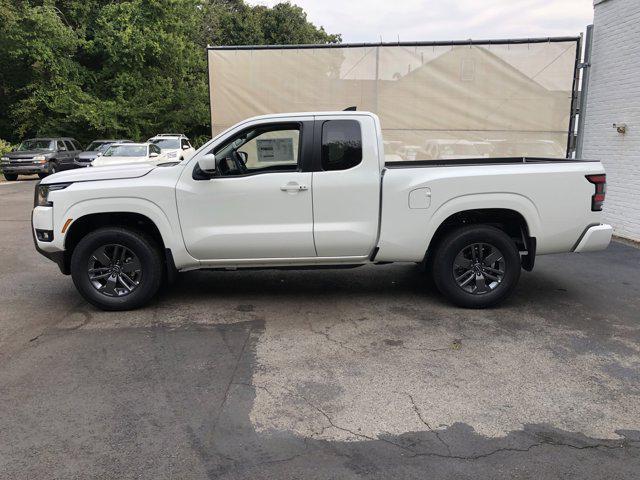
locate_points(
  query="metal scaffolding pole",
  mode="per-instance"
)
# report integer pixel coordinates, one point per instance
(585, 66)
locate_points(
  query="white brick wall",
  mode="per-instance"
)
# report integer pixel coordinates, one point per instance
(614, 97)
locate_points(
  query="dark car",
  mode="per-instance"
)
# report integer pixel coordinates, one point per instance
(94, 150)
(40, 155)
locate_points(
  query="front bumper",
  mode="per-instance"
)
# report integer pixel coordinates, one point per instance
(42, 220)
(596, 237)
(25, 169)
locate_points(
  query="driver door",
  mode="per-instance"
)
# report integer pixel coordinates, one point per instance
(258, 205)
(63, 156)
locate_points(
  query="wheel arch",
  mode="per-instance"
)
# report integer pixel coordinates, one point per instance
(516, 215)
(136, 214)
(92, 221)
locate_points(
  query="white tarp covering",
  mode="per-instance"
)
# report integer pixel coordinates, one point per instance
(434, 102)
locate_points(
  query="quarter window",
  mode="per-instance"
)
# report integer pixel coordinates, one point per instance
(341, 144)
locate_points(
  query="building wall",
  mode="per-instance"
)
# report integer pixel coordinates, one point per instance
(614, 97)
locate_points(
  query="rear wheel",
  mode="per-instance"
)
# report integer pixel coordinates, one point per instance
(115, 268)
(10, 177)
(476, 266)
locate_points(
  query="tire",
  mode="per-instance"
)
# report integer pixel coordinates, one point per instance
(53, 168)
(126, 286)
(42, 175)
(10, 177)
(466, 263)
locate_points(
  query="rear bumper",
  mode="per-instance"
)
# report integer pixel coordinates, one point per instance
(596, 237)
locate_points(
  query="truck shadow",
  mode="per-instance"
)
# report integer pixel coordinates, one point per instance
(382, 280)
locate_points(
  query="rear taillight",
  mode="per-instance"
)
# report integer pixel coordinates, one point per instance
(597, 199)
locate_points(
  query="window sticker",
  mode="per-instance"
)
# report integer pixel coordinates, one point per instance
(275, 150)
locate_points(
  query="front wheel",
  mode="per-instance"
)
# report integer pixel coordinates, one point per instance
(476, 266)
(115, 268)
(10, 177)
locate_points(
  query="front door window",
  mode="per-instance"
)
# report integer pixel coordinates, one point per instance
(262, 149)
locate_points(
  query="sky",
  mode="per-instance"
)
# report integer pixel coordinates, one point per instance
(429, 20)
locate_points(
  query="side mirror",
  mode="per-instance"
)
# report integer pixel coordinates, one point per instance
(185, 147)
(207, 163)
(153, 155)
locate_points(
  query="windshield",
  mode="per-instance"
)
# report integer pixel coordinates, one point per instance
(126, 151)
(36, 144)
(166, 142)
(103, 148)
(97, 146)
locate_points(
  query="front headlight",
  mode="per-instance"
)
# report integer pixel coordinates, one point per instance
(4, 159)
(42, 193)
(39, 159)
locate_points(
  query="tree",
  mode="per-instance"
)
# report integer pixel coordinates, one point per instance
(233, 22)
(131, 68)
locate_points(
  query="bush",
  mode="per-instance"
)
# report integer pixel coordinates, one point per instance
(200, 140)
(5, 147)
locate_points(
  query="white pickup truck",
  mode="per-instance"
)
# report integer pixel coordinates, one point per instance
(313, 189)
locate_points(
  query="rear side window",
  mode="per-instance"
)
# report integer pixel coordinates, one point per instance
(341, 144)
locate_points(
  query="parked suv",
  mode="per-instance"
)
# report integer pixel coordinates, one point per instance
(40, 155)
(175, 146)
(94, 150)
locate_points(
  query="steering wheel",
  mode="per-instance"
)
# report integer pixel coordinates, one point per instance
(239, 162)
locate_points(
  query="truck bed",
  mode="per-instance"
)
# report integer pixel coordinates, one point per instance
(551, 195)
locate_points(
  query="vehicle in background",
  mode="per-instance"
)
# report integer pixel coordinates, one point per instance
(123, 153)
(43, 156)
(450, 149)
(529, 147)
(175, 145)
(314, 190)
(94, 150)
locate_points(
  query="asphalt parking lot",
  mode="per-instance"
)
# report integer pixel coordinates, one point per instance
(363, 373)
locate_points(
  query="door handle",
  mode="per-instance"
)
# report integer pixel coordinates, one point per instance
(293, 187)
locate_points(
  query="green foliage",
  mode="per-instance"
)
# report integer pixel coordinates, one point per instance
(5, 147)
(133, 68)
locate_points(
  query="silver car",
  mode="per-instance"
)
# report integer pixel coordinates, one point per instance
(94, 150)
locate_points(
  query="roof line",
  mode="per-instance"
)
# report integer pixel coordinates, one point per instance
(510, 41)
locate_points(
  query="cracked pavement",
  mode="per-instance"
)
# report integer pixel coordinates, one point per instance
(363, 373)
